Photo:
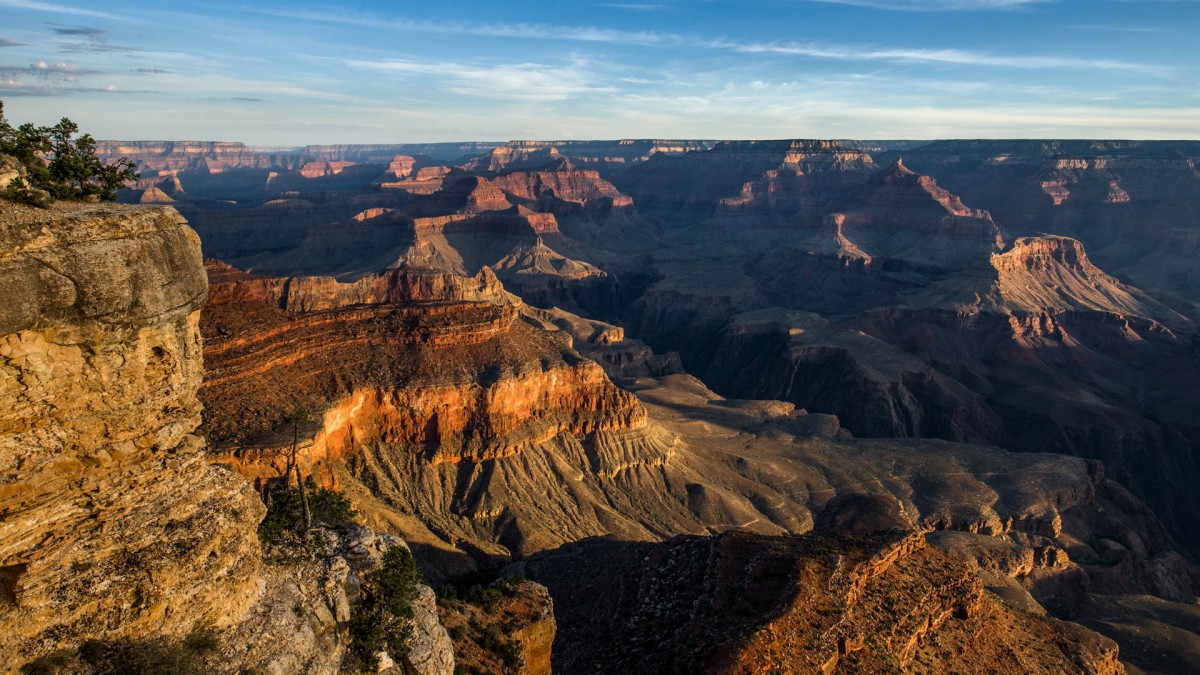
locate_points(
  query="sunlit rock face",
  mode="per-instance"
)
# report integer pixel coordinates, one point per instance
(114, 523)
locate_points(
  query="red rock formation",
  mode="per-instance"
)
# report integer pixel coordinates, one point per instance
(402, 166)
(904, 216)
(561, 188)
(427, 181)
(471, 194)
(322, 169)
(310, 294)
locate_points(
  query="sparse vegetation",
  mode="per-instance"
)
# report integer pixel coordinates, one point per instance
(295, 418)
(57, 165)
(476, 598)
(482, 589)
(150, 656)
(284, 529)
(383, 619)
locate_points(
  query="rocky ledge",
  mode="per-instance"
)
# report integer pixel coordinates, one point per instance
(870, 601)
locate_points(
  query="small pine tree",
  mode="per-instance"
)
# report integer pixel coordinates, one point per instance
(60, 164)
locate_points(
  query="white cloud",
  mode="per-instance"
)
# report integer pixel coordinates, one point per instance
(943, 56)
(839, 52)
(513, 81)
(524, 31)
(57, 9)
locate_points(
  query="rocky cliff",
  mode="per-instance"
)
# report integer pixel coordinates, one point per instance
(454, 423)
(114, 524)
(421, 397)
(116, 531)
(1131, 203)
(934, 324)
(607, 157)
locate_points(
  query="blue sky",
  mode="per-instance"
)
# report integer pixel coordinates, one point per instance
(284, 73)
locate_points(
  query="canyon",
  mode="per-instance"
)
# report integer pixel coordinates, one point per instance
(818, 406)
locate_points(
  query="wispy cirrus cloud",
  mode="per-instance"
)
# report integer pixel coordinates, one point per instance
(836, 52)
(46, 70)
(94, 40)
(937, 5)
(56, 9)
(5, 42)
(513, 81)
(958, 57)
(527, 31)
(43, 79)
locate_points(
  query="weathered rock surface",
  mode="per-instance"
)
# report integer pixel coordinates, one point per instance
(773, 270)
(301, 624)
(744, 177)
(881, 603)
(430, 651)
(10, 170)
(930, 325)
(113, 523)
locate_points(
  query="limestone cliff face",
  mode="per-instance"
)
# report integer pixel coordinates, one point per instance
(210, 156)
(309, 294)
(608, 157)
(904, 216)
(112, 523)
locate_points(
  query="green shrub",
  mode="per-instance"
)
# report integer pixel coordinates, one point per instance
(60, 166)
(383, 619)
(482, 588)
(20, 191)
(284, 523)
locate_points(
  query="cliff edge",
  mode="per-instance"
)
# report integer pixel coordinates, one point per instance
(112, 523)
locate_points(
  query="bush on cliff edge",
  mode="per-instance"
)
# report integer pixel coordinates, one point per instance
(58, 165)
(383, 619)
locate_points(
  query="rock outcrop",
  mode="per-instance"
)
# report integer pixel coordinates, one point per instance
(113, 522)
(608, 157)
(512, 630)
(474, 429)
(114, 525)
(10, 170)
(871, 602)
(429, 399)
